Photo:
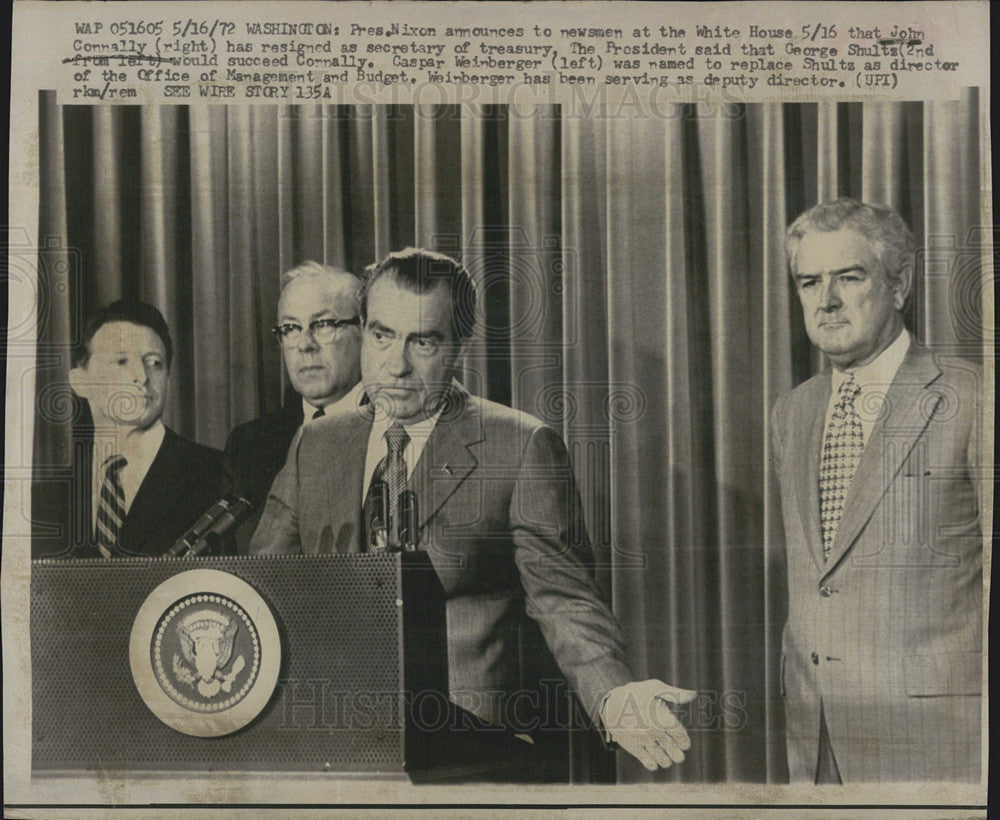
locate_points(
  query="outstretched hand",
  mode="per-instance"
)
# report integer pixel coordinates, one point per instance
(637, 718)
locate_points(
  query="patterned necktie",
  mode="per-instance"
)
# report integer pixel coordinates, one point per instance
(319, 412)
(110, 506)
(842, 449)
(391, 470)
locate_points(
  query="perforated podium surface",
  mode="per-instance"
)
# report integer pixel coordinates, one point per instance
(361, 637)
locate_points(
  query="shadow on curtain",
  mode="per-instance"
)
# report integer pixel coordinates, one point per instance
(634, 294)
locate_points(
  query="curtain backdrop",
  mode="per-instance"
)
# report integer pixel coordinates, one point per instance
(635, 295)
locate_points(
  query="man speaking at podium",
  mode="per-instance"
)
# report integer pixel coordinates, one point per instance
(495, 496)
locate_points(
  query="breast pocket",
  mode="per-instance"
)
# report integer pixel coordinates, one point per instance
(906, 525)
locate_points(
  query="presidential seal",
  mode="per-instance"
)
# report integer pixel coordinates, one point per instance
(205, 652)
(198, 636)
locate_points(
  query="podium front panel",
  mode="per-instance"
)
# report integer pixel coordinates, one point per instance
(339, 704)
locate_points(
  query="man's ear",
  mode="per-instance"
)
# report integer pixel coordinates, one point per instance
(78, 382)
(460, 351)
(901, 287)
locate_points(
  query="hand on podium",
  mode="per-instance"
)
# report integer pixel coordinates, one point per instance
(637, 718)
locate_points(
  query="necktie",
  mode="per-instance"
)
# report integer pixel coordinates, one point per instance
(110, 506)
(842, 449)
(391, 470)
(319, 412)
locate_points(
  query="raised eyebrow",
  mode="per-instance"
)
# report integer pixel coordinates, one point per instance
(375, 324)
(838, 272)
(323, 314)
(433, 335)
(295, 320)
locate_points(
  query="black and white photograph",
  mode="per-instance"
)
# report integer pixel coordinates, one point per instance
(500, 449)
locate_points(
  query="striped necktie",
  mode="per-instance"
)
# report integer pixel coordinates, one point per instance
(111, 506)
(393, 471)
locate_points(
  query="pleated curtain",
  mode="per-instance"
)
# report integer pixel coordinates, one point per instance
(634, 294)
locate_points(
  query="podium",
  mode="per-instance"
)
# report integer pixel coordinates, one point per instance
(359, 686)
(362, 685)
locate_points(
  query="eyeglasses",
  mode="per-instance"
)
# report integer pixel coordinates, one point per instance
(323, 331)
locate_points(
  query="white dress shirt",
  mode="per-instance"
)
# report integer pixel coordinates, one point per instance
(308, 411)
(874, 380)
(139, 449)
(350, 399)
(418, 432)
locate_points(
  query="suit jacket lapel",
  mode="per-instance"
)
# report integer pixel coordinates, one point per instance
(447, 458)
(807, 443)
(291, 418)
(905, 415)
(346, 474)
(148, 508)
(287, 426)
(82, 499)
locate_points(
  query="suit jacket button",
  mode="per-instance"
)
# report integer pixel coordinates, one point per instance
(815, 658)
(826, 592)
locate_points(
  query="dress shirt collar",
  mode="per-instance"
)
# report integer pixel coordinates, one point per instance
(418, 432)
(350, 399)
(139, 448)
(874, 380)
(881, 370)
(308, 411)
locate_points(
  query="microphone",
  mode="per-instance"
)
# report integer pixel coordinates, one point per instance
(183, 544)
(224, 516)
(408, 519)
(379, 535)
(237, 512)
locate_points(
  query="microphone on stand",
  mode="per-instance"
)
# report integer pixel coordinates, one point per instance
(218, 521)
(183, 544)
(408, 519)
(379, 492)
(226, 524)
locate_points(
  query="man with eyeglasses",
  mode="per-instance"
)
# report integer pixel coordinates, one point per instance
(318, 330)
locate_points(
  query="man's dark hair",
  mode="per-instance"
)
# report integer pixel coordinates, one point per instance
(421, 271)
(124, 310)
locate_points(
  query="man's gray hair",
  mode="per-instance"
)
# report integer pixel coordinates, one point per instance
(314, 269)
(895, 247)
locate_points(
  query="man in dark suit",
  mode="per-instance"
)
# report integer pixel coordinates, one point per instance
(498, 511)
(880, 488)
(318, 330)
(136, 485)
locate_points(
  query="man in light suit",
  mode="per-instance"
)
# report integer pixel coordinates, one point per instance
(877, 460)
(498, 511)
(319, 333)
(135, 486)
